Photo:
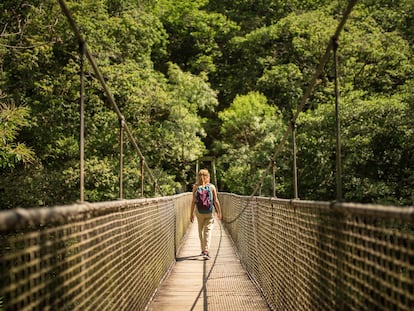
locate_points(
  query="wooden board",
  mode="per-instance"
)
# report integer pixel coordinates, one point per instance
(216, 284)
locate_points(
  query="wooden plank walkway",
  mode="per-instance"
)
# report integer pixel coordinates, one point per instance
(196, 284)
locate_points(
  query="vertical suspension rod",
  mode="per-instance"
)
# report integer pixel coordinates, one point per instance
(308, 91)
(82, 125)
(273, 178)
(121, 158)
(142, 177)
(108, 93)
(338, 124)
(295, 168)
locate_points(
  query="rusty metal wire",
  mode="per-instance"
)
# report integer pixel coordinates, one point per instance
(103, 256)
(321, 256)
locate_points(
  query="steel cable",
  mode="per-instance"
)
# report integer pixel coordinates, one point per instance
(312, 83)
(107, 91)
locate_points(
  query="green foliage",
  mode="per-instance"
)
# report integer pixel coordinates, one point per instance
(163, 111)
(282, 84)
(196, 78)
(250, 130)
(372, 173)
(279, 59)
(195, 36)
(373, 60)
(12, 119)
(251, 14)
(393, 16)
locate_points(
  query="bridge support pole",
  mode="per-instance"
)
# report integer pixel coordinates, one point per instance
(338, 125)
(82, 125)
(274, 177)
(121, 158)
(294, 152)
(142, 177)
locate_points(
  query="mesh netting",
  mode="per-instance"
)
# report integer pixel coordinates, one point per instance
(113, 255)
(104, 256)
(314, 255)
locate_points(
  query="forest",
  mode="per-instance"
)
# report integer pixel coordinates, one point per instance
(202, 78)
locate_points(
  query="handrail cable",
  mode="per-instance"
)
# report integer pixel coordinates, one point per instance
(312, 83)
(107, 91)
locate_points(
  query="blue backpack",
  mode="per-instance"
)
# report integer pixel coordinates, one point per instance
(204, 199)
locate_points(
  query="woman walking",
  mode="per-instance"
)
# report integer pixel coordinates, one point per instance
(206, 200)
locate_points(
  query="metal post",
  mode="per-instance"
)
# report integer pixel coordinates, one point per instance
(142, 177)
(82, 125)
(121, 158)
(338, 125)
(274, 178)
(294, 151)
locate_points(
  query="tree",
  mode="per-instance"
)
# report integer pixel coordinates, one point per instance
(12, 153)
(164, 111)
(250, 130)
(195, 35)
(173, 67)
(278, 59)
(251, 14)
(393, 16)
(377, 145)
(372, 59)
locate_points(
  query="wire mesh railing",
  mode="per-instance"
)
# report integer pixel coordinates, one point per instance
(101, 256)
(320, 256)
(303, 254)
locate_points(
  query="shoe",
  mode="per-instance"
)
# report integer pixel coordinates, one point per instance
(206, 255)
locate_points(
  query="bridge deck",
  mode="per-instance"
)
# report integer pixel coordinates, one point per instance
(216, 284)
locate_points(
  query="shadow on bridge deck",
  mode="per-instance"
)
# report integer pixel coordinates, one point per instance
(217, 284)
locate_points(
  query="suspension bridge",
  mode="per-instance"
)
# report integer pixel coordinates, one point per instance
(267, 253)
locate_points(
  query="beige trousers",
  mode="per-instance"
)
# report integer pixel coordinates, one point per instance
(205, 229)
